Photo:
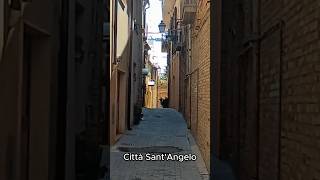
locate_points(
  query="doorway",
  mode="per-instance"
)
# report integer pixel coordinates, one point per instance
(121, 102)
(270, 105)
(248, 121)
(36, 112)
(118, 103)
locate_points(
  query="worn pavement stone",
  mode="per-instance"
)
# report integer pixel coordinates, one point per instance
(160, 128)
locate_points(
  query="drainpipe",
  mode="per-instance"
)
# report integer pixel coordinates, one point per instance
(130, 66)
(115, 29)
(258, 87)
(157, 81)
(282, 24)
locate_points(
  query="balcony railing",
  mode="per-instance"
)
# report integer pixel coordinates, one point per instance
(189, 9)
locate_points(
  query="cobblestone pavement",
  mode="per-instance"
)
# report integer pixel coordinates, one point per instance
(162, 131)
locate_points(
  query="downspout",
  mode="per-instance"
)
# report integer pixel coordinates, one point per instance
(115, 29)
(282, 24)
(130, 66)
(169, 60)
(113, 63)
(258, 87)
(157, 81)
(144, 56)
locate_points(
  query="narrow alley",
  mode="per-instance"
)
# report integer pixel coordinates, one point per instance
(162, 131)
(159, 89)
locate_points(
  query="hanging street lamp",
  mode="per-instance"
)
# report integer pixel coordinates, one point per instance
(162, 27)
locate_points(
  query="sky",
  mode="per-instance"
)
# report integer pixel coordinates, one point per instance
(153, 18)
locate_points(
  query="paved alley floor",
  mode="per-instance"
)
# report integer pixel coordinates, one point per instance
(160, 135)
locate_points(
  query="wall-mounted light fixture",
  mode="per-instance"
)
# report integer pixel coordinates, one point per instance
(162, 27)
(145, 71)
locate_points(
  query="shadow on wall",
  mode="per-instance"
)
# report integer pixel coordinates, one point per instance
(120, 93)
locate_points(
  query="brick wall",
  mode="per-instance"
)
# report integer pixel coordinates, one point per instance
(298, 91)
(167, 10)
(269, 106)
(287, 123)
(193, 101)
(200, 81)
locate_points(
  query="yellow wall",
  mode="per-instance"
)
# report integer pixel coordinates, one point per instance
(122, 30)
(201, 63)
(199, 78)
(151, 96)
(167, 11)
(119, 75)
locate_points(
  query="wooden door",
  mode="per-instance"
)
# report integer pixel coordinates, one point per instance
(248, 121)
(270, 106)
(118, 104)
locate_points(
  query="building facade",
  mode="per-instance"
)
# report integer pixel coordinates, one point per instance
(127, 62)
(28, 105)
(50, 67)
(270, 89)
(151, 82)
(162, 87)
(188, 47)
